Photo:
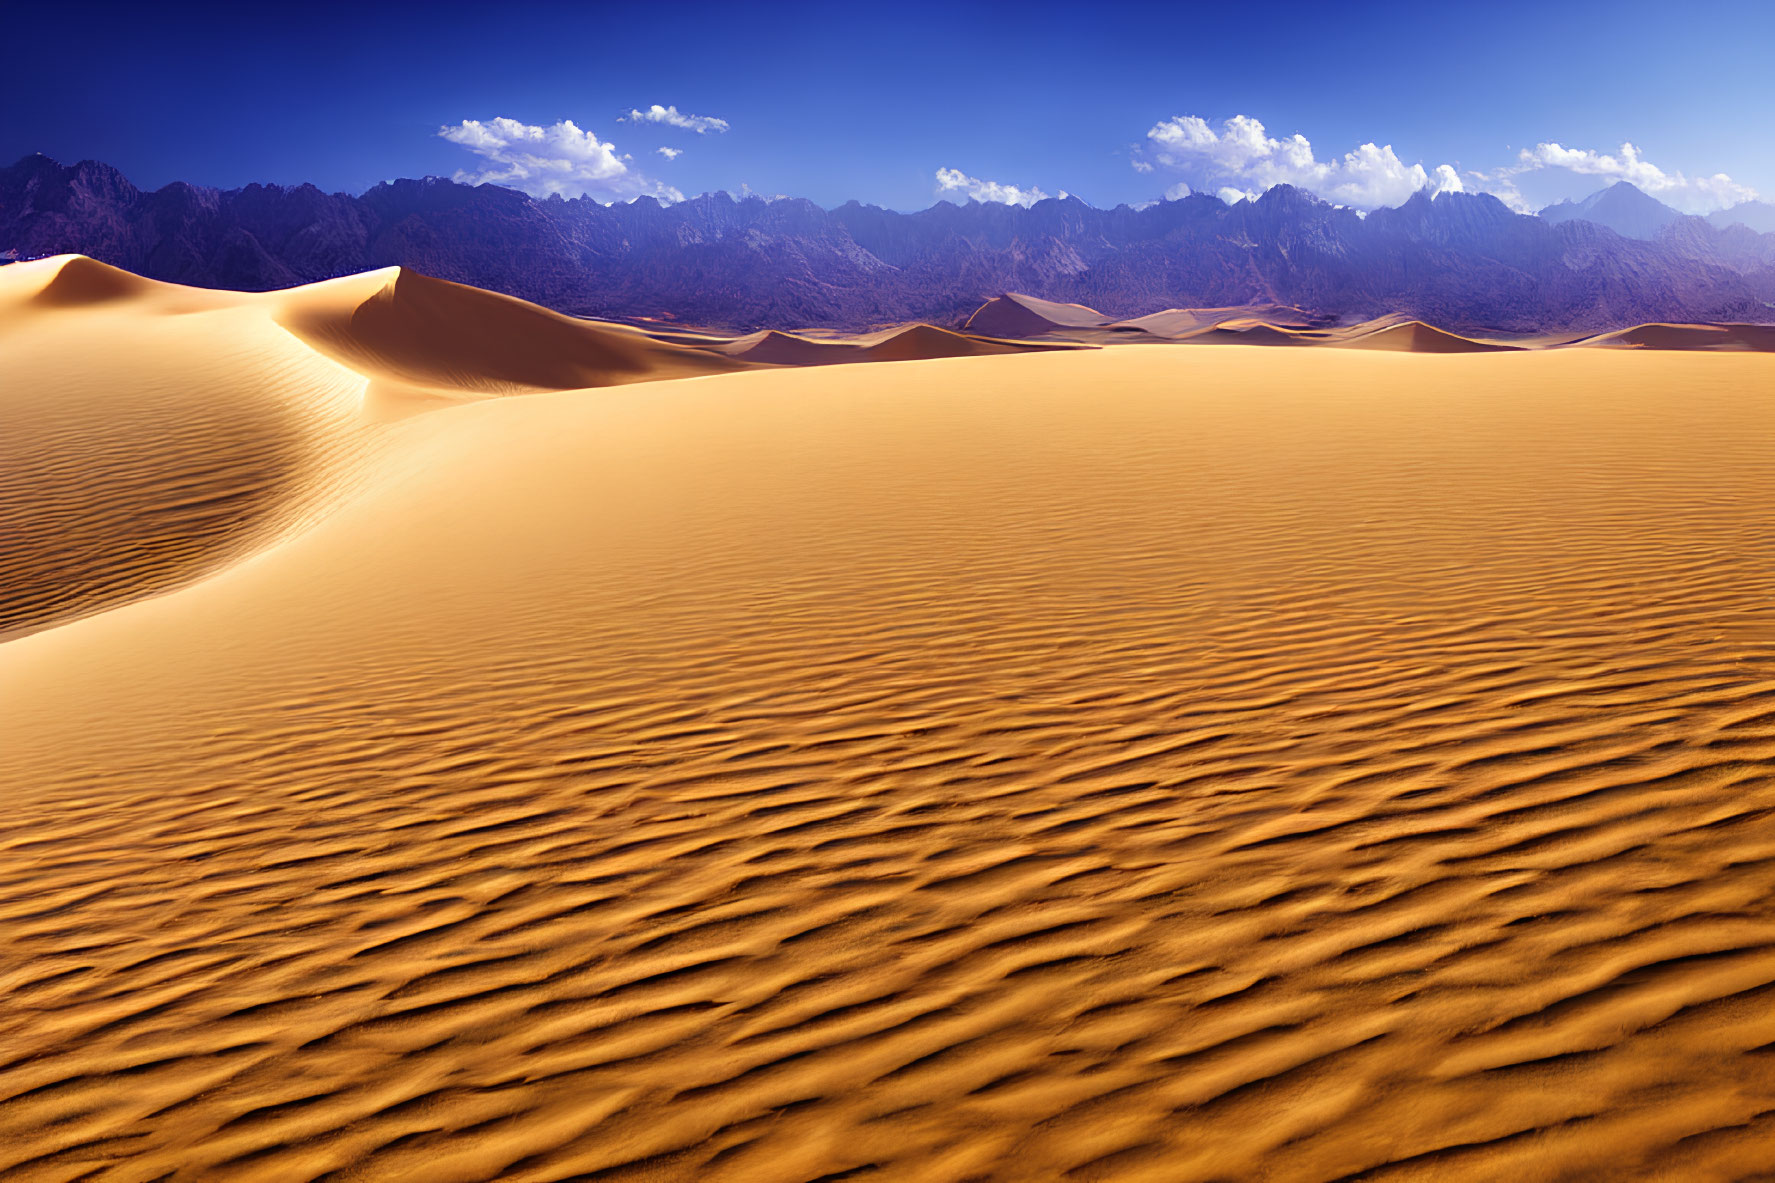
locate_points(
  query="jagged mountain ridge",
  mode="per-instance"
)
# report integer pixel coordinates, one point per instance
(1464, 261)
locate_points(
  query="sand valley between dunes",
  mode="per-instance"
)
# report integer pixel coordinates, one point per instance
(442, 741)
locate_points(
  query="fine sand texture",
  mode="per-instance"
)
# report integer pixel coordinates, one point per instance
(1209, 763)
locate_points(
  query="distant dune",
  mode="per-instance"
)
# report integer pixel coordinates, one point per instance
(1150, 763)
(902, 343)
(1760, 338)
(785, 349)
(917, 342)
(1014, 315)
(1178, 323)
(1414, 336)
(1019, 316)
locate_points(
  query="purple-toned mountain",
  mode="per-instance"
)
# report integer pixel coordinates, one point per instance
(1622, 207)
(1463, 261)
(1756, 215)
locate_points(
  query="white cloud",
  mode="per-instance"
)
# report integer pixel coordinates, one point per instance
(672, 117)
(951, 180)
(1446, 180)
(1694, 194)
(670, 153)
(1143, 166)
(1233, 196)
(1242, 151)
(558, 159)
(1501, 185)
(1178, 191)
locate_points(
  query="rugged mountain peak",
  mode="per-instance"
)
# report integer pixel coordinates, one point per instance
(1623, 207)
(1463, 261)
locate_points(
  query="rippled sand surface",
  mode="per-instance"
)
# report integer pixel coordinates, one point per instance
(1211, 763)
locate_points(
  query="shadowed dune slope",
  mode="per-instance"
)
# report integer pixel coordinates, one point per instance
(912, 343)
(1014, 316)
(74, 281)
(148, 433)
(1414, 336)
(923, 342)
(29, 290)
(1754, 338)
(1131, 764)
(427, 331)
(786, 349)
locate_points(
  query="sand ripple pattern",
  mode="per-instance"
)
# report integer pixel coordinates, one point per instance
(1167, 765)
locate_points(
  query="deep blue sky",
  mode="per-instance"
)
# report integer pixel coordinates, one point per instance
(833, 101)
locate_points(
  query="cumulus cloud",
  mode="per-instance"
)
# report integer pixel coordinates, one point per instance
(953, 180)
(1695, 194)
(1242, 151)
(1143, 166)
(1446, 180)
(670, 153)
(672, 117)
(542, 161)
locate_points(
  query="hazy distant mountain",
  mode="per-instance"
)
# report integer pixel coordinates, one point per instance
(1463, 261)
(1756, 215)
(1621, 207)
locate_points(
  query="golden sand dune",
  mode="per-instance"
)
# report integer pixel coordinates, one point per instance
(415, 329)
(149, 433)
(1134, 764)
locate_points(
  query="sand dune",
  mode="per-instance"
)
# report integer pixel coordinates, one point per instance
(1136, 764)
(786, 349)
(1014, 316)
(148, 434)
(1757, 338)
(1414, 336)
(1177, 323)
(1019, 317)
(922, 342)
(902, 343)
(415, 329)
(1249, 333)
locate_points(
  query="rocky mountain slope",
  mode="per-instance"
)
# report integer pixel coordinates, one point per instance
(1462, 261)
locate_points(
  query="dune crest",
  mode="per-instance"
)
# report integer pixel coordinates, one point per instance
(80, 281)
(1414, 336)
(150, 434)
(1015, 316)
(922, 342)
(429, 332)
(786, 349)
(75, 282)
(1730, 337)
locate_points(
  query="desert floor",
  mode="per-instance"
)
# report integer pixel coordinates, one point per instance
(1200, 763)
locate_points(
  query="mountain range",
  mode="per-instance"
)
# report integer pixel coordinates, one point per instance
(1463, 261)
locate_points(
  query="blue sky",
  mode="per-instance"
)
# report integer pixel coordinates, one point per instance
(900, 105)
